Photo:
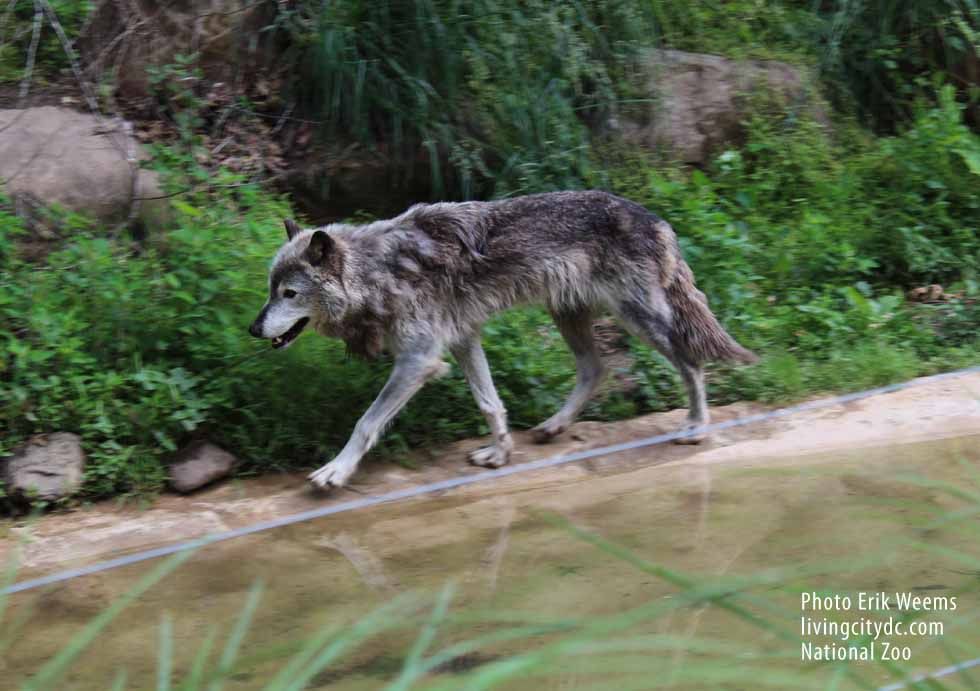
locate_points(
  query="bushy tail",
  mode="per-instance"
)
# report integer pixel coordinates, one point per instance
(696, 332)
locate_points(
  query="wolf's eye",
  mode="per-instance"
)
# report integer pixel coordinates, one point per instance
(289, 294)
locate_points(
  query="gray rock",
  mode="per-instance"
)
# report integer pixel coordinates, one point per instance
(700, 101)
(47, 467)
(61, 156)
(199, 464)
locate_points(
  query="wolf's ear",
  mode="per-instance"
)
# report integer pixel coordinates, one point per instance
(291, 228)
(320, 248)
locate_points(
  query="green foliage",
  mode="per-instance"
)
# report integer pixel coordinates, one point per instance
(103, 342)
(883, 55)
(16, 28)
(737, 28)
(490, 90)
(173, 84)
(926, 190)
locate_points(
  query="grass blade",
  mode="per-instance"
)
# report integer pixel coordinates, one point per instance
(411, 669)
(166, 653)
(230, 653)
(385, 617)
(196, 677)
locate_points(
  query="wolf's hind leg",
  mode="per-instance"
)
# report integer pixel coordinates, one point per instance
(412, 370)
(697, 412)
(473, 361)
(653, 325)
(576, 327)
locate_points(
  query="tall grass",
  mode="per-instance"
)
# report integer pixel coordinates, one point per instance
(494, 94)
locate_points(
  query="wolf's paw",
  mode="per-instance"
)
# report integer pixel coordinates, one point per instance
(697, 435)
(547, 431)
(489, 457)
(333, 474)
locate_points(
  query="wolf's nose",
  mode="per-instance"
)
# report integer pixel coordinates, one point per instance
(255, 330)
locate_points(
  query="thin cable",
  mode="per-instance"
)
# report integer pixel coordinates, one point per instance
(451, 483)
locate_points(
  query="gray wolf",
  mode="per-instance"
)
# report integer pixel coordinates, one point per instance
(425, 282)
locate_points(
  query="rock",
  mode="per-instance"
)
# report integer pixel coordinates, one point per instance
(47, 467)
(61, 156)
(700, 101)
(199, 464)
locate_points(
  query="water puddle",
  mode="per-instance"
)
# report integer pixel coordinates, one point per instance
(756, 535)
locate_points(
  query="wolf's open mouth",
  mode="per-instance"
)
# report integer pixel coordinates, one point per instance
(290, 336)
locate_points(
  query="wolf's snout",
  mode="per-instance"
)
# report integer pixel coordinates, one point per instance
(256, 328)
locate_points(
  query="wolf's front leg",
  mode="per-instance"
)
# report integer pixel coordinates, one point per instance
(412, 369)
(473, 361)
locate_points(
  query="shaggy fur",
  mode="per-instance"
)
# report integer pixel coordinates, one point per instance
(426, 281)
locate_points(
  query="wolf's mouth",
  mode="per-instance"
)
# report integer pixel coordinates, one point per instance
(288, 337)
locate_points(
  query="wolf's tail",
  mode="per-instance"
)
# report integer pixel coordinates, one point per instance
(695, 331)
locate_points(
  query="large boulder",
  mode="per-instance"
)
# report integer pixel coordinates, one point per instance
(699, 101)
(61, 156)
(47, 467)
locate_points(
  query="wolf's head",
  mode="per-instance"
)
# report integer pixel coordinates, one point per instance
(305, 287)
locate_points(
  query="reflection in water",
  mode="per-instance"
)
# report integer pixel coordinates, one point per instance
(867, 520)
(369, 566)
(494, 556)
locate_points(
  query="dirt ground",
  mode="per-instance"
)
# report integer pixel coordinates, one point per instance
(935, 410)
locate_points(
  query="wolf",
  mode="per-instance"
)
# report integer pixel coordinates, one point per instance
(424, 283)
